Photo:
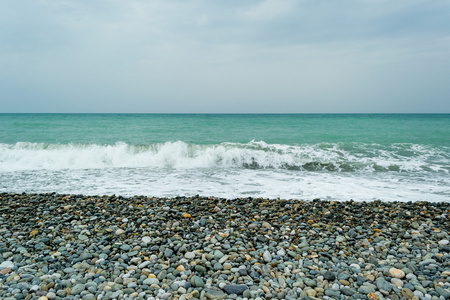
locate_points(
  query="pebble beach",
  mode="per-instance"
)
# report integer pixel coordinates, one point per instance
(55, 246)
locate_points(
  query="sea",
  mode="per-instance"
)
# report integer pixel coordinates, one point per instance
(339, 157)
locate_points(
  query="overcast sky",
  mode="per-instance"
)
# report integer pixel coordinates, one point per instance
(305, 56)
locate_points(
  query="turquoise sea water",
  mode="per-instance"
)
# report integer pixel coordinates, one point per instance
(304, 156)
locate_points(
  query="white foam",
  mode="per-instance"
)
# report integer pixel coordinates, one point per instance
(180, 155)
(229, 184)
(230, 170)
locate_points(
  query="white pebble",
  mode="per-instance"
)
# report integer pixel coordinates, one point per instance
(266, 256)
(146, 239)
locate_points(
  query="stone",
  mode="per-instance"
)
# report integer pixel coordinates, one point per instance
(120, 231)
(77, 289)
(6, 264)
(366, 289)
(215, 294)
(267, 256)
(407, 293)
(383, 285)
(200, 269)
(311, 293)
(396, 273)
(237, 289)
(397, 282)
(150, 281)
(197, 281)
(83, 237)
(340, 239)
(328, 275)
(443, 292)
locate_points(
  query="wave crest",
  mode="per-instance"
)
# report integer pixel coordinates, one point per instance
(253, 155)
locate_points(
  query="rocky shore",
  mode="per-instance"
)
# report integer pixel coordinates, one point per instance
(108, 247)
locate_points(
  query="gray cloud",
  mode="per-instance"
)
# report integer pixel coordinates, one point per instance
(217, 56)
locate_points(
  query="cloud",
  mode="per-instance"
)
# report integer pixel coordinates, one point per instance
(234, 56)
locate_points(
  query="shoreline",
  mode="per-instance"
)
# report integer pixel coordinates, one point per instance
(56, 246)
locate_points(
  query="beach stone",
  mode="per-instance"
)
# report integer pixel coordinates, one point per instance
(407, 293)
(444, 293)
(197, 281)
(223, 259)
(310, 282)
(348, 291)
(281, 252)
(214, 293)
(340, 238)
(77, 289)
(200, 269)
(267, 256)
(237, 289)
(396, 273)
(119, 231)
(146, 239)
(419, 294)
(218, 254)
(83, 237)
(168, 253)
(150, 281)
(311, 293)
(328, 275)
(444, 242)
(335, 294)
(189, 255)
(6, 264)
(383, 285)
(397, 282)
(366, 289)
(128, 291)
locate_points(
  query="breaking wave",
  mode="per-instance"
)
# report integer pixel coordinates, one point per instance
(328, 157)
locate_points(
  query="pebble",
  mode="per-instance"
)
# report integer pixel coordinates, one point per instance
(443, 242)
(215, 294)
(110, 247)
(397, 282)
(393, 272)
(146, 239)
(197, 281)
(237, 289)
(267, 256)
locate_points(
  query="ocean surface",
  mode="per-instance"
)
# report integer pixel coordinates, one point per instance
(364, 157)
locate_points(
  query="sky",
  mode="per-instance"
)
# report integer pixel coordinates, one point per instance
(269, 56)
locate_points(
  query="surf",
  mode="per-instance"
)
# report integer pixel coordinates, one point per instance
(320, 157)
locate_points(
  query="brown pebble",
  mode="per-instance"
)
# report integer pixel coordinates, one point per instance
(5, 271)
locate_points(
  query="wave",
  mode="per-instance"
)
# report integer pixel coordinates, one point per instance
(329, 157)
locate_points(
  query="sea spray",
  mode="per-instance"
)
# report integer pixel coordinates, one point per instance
(350, 157)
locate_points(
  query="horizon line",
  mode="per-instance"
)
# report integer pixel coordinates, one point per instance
(230, 113)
